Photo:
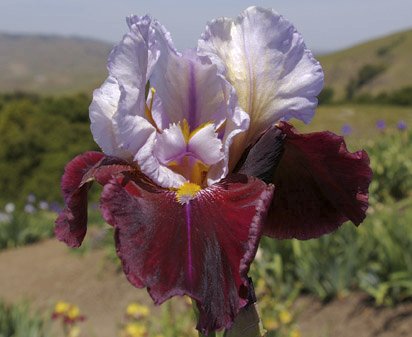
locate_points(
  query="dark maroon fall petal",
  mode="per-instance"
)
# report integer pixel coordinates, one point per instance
(79, 174)
(262, 159)
(202, 248)
(319, 186)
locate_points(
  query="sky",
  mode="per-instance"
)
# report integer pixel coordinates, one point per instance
(326, 25)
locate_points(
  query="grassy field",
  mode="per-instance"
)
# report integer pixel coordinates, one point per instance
(361, 118)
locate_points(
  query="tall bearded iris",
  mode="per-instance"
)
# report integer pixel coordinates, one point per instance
(198, 160)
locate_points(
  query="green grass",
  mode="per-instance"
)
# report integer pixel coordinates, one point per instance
(24, 229)
(362, 119)
(18, 321)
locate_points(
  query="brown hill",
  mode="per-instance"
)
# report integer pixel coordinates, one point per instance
(51, 64)
(381, 65)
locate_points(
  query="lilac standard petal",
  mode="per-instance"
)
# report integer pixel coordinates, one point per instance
(265, 59)
(129, 64)
(101, 112)
(189, 89)
(170, 248)
(236, 125)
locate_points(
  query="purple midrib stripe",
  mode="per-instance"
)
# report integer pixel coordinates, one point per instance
(189, 242)
(191, 114)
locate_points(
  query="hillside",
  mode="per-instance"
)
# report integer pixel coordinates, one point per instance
(51, 64)
(64, 65)
(386, 64)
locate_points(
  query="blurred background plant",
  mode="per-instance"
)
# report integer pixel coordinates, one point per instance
(18, 320)
(175, 319)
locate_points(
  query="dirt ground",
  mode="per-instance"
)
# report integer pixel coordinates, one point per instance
(47, 272)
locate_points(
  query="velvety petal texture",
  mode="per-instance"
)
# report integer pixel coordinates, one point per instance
(79, 174)
(319, 185)
(265, 59)
(172, 249)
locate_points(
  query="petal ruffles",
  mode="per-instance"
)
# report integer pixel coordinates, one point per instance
(79, 174)
(319, 183)
(265, 59)
(202, 248)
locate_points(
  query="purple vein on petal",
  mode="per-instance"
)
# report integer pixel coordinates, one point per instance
(189, 242)
(192, 97)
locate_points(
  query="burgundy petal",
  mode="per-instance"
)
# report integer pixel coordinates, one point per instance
(202, 248)
(319, 186)
(79, 174)
(262, 158)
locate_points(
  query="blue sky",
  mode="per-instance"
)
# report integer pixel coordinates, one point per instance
(325, 24)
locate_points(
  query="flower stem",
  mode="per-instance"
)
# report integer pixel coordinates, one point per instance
(247, 324)
(211, 334)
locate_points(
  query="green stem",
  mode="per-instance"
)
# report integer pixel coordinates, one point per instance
(211, 334)
(247, 324)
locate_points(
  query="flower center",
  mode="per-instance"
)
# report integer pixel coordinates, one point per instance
(186, 192)
(186, 149)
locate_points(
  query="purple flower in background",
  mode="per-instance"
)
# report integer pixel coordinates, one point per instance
(346, 130)
(43, 205)
(194, 146)
(31, 198)
(381, 125)
(402, 126)
(55, 207)
(29, 209)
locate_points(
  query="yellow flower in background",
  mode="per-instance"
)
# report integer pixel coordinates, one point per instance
(295, 333)
(137, 310)
(285, 317)
(135, 330)
(270, 324)
(61, 307)
(73, 313)
(69, 313)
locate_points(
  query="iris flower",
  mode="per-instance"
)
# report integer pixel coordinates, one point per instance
(199, 160)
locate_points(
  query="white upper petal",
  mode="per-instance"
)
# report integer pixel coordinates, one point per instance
(131, 63)
(266, 60)
(101, 112)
